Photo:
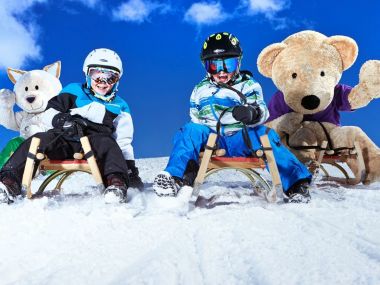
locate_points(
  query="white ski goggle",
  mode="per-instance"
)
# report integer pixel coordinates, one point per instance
(99, 74)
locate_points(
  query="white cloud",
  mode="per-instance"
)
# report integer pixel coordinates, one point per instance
(266, 6)
(88, 3)
(138, 11)
(269, 8)
(203, 13)
(18, 33)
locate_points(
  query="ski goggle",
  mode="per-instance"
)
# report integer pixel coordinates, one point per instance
(228, 65)
(99, 75)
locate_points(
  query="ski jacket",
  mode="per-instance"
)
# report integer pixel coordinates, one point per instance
(76, 99)
(278, 107)
(208, 100)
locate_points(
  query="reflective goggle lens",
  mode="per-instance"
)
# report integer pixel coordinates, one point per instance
(104, 75)
(228, 65)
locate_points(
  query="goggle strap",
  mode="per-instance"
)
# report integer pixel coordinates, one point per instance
(102, 66)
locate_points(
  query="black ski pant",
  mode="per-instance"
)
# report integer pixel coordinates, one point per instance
(55, 146)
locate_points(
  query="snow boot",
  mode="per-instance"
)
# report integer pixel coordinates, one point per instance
(191, 173)
(298, 193)
(116, 190)
(166, 185)
(9, 189)
(133, 175)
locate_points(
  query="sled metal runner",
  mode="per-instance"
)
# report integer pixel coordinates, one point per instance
(63, 168)
(333, 158)
(212, 163)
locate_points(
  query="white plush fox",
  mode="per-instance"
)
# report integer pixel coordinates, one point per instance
(32, 91)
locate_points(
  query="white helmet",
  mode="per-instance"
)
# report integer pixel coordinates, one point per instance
(103, 57)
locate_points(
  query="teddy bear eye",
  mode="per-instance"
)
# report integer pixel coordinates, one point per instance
(294, 75)
(322, 73)
(26, 88)
(36, 87)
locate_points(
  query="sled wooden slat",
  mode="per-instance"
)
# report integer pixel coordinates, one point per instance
(69, 164)
(236, 162)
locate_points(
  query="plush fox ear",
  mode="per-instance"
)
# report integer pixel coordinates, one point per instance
(54, 68)
(14, 74)
(267, 56)
(347, 48)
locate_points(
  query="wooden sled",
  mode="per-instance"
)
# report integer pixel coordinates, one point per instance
(335, 158)
(213, 161)
(63, 168)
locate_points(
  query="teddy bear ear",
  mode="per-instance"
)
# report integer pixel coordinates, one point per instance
(54, 68)
(347, 48)
(267, 57)
(14, 74)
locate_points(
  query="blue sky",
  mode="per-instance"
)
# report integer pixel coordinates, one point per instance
(159, 43)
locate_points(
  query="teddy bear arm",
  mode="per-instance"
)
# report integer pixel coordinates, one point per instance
(287, 124)
(369, 85)
(273, 125)
(359, 97)
(10, 119)
(283, 125)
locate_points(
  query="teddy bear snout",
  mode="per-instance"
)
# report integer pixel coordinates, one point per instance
(31, 99)
(310, 102)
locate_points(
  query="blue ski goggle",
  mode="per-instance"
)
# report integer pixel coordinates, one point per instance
(228, 65)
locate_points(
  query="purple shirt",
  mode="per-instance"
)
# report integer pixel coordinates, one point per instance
(278, 107)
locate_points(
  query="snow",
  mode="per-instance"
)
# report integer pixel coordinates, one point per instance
(79, 239)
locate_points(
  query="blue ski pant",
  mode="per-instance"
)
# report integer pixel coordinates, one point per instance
(192, 138)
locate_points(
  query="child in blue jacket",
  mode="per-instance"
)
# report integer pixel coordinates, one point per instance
(226, 87)
(95, 109)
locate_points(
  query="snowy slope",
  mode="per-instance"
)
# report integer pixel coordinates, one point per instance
(80, 240)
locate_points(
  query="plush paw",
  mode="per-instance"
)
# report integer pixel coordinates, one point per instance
(369, 77)
(290, 123)
(7, 98)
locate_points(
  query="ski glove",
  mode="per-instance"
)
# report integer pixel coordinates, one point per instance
(60, 119)
(247, 114)
(72, 126)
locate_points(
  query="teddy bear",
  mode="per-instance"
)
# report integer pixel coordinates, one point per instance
(32, 91)
(306, 68)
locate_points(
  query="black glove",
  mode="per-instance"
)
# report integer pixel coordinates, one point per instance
(248, 115)
(60, 119)
(72, 126)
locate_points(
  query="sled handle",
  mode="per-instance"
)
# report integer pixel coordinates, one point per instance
(273, 170)
(203, 167)
(89, 155)
(29, 167)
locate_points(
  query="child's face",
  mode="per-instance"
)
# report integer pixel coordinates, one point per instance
(102, 87)
(223, 77)
(222, 70)
(102, 80)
